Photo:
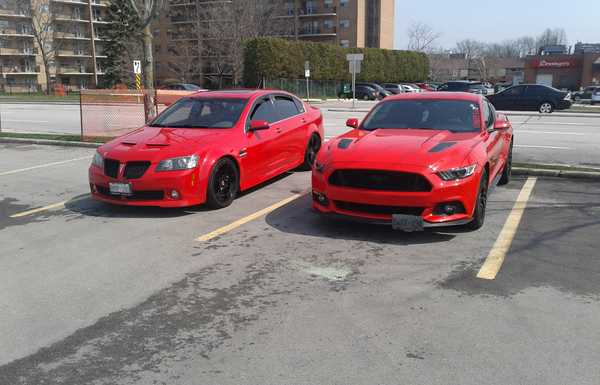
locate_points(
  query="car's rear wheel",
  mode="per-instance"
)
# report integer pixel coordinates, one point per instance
(546, 108)
(312, 148)
(366, 97)
(223, 184)
(507, 172)
(480, 204)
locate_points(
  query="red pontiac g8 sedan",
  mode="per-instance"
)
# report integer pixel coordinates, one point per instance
(207, 147)
(417, 160)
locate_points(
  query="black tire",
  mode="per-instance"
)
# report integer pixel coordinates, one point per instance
(546, 107)
(480, 204)
(507, 171)
(366, 97)
(223, 184)
(310, 154)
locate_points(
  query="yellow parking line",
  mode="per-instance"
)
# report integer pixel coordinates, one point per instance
(43, 165)
(495, 258)
(53, 206)
(249, 218)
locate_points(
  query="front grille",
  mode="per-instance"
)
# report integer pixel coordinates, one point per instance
(147, 195)
(378, 209)
(380, 180)
(135, 170)
(111, 168)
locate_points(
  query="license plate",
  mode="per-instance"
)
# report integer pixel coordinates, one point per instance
(408, 223)
(119, 188)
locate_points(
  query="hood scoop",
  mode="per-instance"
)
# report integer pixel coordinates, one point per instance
(128, 143)
(157, 144)
(442, 146)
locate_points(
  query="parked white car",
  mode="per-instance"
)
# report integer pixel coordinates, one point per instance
(596, 97)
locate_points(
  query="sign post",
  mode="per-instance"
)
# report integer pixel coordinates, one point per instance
(307, 76)
(137, 70)
(354, 60)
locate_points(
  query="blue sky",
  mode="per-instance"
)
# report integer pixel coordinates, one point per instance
(498, 19)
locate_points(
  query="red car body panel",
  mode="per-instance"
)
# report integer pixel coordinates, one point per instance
(410, 151)
(259, 155)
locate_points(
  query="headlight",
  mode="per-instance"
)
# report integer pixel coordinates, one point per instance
(457, 173)
(180, 163)
(98, 160)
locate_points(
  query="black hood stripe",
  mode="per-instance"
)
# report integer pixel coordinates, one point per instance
(442, 146)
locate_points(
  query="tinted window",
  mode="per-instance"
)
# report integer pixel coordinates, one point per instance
(513, 91)
(456, 87)
(201, 113)
(536, 91)
(488, 114)
(285, 106)
(265, 111)
(452, 115)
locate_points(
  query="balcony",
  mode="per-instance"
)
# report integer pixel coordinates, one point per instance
(318, 32)
(13, 33)
(70, 36)
(17, 70)
(23, 14)
(73, 54)
(73, 2)
(70, 19)
(18, 51)
(75, 71)
(317, 12)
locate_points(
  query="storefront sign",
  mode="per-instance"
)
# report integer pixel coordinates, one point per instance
(547, 63)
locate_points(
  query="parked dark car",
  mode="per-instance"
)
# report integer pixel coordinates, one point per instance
(531, 97)
(464, 86)
(362, 92)
(381, 92)
(585, 94)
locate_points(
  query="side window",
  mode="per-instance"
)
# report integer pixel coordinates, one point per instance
(534, 91)
(285, 106)
(514, 91)
(299, 105)
(488, 116)
(264, 111)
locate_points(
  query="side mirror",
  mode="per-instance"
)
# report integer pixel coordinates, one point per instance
(352, 123)
(502, 122)
(257, 125)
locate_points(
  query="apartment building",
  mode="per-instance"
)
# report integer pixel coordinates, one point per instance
(348, 23)
(76, 43)
(19, 66)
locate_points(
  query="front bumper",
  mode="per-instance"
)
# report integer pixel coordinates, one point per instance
(152, 189)
(378, 207)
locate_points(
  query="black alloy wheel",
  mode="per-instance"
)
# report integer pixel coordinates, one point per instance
(223, 184)
(312, 149)
(480, 204)
(507, 171)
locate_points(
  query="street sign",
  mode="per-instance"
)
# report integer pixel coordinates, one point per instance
(137, 67)
(355, 56)
(306, 73)
(354, 66)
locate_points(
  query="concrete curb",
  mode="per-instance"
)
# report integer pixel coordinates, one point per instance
(65, 143)
(73, 103)
(590, 175)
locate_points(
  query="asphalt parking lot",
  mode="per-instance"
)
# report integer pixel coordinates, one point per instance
(98, 294)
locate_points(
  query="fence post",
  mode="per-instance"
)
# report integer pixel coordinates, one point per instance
(81, 113)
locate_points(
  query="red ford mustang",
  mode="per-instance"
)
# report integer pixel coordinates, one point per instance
(207, 147)
(417, 160)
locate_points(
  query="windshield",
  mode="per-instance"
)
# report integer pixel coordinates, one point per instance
(451, 115)
(201, 113)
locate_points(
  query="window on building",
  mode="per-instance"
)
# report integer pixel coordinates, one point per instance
(345, 43)
(343, 3)
(328, 4)
(328, 24)
(344, 23)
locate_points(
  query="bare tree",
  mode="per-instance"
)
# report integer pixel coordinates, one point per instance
(42, 29)
(472, 51)
(225, 26)
(184, 61)
(527, 46)
(421, 37)
(147, 11)
(556, 36)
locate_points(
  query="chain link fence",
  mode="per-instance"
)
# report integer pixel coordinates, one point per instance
(317, 89)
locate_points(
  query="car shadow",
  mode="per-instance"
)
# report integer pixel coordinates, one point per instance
(298, 217)
(87, 206)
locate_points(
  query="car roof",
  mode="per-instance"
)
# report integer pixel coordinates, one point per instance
(241, 93)
(466, 96)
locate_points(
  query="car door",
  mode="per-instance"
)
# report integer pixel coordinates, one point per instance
(260, 158)
(509, 99)
(534, 95)
(291, 130)
(494, 141)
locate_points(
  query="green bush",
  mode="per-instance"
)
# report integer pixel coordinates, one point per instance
(273, 58)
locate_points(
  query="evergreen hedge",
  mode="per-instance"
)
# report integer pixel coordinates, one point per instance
(273, 58)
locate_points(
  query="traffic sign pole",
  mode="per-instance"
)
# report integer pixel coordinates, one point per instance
(307, 76)
(354, 60)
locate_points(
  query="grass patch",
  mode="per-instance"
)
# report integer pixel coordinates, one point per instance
(39, 98)
(68, 138)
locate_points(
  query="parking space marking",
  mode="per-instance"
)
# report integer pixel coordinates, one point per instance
(496, 257)
(545, 147)
(249, 218)
(44, 165)
(53, 206)
(549, 132)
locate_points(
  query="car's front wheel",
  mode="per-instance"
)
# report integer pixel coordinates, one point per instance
(480, 204)
(507, 172)
(223, 184)
(546, 108)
